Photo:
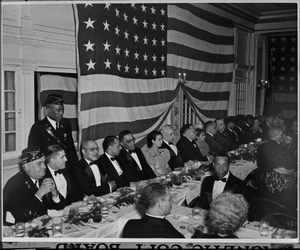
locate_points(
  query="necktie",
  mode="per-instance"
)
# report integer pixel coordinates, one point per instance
(218, 179)
(171, 143)
(93, 162)
(112, 158)
(131, 151)
(58, 172)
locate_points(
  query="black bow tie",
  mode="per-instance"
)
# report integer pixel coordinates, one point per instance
(171, 143)
(60, 171)
(93, 163)
(112, 158)
(131, 151)
(218, 179)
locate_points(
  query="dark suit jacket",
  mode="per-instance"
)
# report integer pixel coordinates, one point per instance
(175, 160)
(150, 227)
(73, 192)
(39, 136)
(265, 127)
(223, 140)
(241, 134)
(233, 184)
(214, 146)
(233, 137)
(111, 173)
(266, 154)
(130, 165)
(189, 150)
(19, 197)
(84, 177)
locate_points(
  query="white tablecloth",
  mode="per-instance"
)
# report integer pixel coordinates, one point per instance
(241, 168)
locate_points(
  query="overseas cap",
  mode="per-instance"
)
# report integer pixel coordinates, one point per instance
(54, 99)
(31, 154)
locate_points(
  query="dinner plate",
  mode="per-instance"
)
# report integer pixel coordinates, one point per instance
(192, 228)
(284, 171)
(181, 217)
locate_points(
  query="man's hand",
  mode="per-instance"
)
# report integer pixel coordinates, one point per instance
(45, 188)
(113, 185)
(189, 163)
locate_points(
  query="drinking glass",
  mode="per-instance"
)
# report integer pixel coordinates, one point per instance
(57, 229)
(30, 215)
(20, 229)
(264, 227)
(196, 213)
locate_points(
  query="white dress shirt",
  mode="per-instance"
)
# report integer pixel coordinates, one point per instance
(53, 123)
(96, 173)
(136, 158)
(219, 186)
(60, 182)
(115, 164)
(172, 146)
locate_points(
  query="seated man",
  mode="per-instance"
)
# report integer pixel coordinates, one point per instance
(187, 146)
(222, 180)
(210, 132)
(133, 158)
(168, 137)
(89, 175)
(233, 136)
(28, 190)
(156, 199)
(221, 135)
(55, 159)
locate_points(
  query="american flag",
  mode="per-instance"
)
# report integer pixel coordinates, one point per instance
(130, 55)
(284, 68)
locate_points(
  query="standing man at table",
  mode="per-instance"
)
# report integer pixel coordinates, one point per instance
(54, 129)
(187, 146)
(28, 190)
(222, 180)
(56, 169)
(157, 201)
(133, 158)
(89, 174)
(168, 143)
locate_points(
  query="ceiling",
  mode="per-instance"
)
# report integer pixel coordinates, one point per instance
(262, 12)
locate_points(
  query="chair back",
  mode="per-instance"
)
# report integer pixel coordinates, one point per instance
(259, 207)
(281, 220)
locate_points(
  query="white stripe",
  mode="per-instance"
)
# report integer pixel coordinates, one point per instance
(196, 65)
(119, 114)
(192, 42)
(199, 23)
(53, 82)
(117, 84)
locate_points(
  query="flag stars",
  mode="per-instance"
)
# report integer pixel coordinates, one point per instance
(134, 20)
(117, 30)
(162, 58)
(154, 42)
(154, 58)
(163, 42)
(153, 10)
(146, 72)
(282, 78)
(107, 64)
(107, 6)
(136, 69)
(117, 12)
(291, 88)
(282, 68)
(162, 11)
(145, 57)
(89, 46)
(162, 27)
(273, 40)
(280, 88)
(145, 24)
(125, 17)
(273, 49)
(90, 65)
(274, 68)
(133, 5)
(292, 78)
(162, 72)
(292, 59)
(106, 25)
(136, 55)
(88, 4)
(293, 49)
(154, 72)
(154, 26)
(274, 59)
(117, 50)
(126, 52)
(136, 38)
(283, 49)
(282, 59)
(89, 23)
(126, 68)
(292, 69)
(283, 39)
(143, 8)
(145, 40)
(293, 39)
(126, 34)
(119, 67)
(106, 46)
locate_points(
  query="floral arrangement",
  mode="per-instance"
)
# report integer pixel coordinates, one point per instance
(128, 197)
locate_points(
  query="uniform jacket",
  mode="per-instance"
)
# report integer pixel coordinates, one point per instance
(19, 197)
(150, 227)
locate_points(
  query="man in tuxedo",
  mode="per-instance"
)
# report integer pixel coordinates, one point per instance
(186, 145)
(239, 125)
(133, 159)
(233, 136)
(89, 175)
(168, 143)
(267, 152)
(266, 125)
(210, 132)
(221, 136)
(54, 129)
(112, 165)
(157, 201)
(55, 159)
(28, 190)
(222, 180)
(249, 120)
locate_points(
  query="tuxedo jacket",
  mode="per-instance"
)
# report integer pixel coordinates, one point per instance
(214, 146)
(189, 150)
(84, 177)
(42, 134)
(266, 154)
(150, 227)
(73, 192)
(19, 197)
(122, 180)
(130, 165)
(233, 184)
(175, 160)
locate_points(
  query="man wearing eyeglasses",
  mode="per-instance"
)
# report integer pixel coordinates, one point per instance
(89, 175)
(133, 158)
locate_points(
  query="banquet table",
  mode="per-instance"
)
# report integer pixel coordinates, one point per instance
(241, 168)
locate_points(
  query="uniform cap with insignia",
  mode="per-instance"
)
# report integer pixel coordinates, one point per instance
(56, 99)
(31, 154)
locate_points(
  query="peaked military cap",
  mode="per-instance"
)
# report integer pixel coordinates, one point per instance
(56, 99)
(31, 154)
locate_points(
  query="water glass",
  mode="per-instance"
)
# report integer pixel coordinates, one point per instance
(20, 229)
(264, 227)
(57, 229)
(105, 208)
(196, 213)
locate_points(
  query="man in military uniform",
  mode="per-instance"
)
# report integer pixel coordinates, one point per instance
(54, 129)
